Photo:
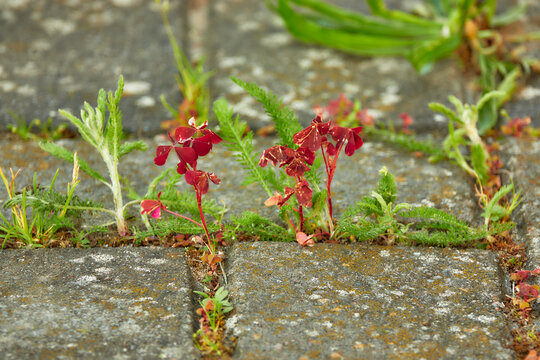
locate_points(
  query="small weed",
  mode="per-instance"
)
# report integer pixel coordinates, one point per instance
(37, 130)
(212, 311)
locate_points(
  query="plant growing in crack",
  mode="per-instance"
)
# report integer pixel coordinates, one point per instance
(189, 143)
(105, 134)
(212, 312)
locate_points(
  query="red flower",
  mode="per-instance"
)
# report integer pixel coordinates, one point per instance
(199, 179)
(341, 134)
(198, 137)
(152, 207)
(313, 136)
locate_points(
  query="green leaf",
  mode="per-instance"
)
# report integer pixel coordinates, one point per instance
(440, 108)
(489, 209)
(286, 122)
(233, 135)
(478, 159)
(128, 147)
(64, 154)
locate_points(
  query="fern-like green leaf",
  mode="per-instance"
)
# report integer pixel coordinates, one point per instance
(128, 147)
(286, 122)
(255, 225)
(232, 133)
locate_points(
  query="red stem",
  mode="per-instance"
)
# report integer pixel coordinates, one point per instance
(184, 217)
(301, 213)
(199, 203)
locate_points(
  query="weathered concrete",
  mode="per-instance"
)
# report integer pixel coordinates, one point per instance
(97, 303)
(250, 42)
(57, 54)
(360, 302)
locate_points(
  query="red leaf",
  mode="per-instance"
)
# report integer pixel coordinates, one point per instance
(304, 194)
(304, 240)
(162, 153)
(183, 133)
(313, 136)
(198, 179)
(152, 207)
(276, 154)
(274, 200)
(186, 155)
(297, 167)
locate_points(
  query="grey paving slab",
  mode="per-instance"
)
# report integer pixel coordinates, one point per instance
(250, 42)
(57, 54)
(419, 182)
(97, 303)
(360, 302)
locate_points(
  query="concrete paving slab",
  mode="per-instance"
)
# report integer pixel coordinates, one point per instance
(57, 54)
(250, 42)
(360, 302)
(97, 303)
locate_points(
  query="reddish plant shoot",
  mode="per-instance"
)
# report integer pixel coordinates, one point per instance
(189, 144)
(324, 136)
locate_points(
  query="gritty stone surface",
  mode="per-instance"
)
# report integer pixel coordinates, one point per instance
(109, 303)
(360, 302)
(250, 42)
(442, 185)
(58, 54)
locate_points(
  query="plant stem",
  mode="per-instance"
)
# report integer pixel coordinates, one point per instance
(184, 217)
(199, 203)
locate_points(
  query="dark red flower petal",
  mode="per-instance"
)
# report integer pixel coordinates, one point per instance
(162, 152)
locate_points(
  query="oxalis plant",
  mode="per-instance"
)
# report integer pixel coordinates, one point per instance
(189, 143)
(101, 127)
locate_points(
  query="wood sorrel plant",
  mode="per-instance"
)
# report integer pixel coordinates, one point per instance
(325, 136)
(189, 143)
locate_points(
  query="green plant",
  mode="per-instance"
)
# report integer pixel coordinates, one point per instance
(376, 216)
(49, 210)
(36, 130)
(192, 81)
(212, 311)
(463, 130)
(105, 135)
